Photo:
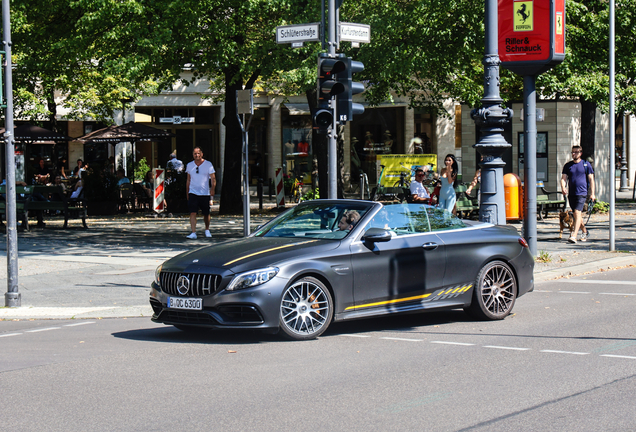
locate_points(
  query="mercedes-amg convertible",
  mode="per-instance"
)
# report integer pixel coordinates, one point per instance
(334, 260)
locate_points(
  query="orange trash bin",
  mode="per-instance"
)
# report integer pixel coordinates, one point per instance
(514, 193)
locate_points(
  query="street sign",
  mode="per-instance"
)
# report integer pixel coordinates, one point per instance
(245, 101)
(355, 32)
(531, 35)
(298, 33)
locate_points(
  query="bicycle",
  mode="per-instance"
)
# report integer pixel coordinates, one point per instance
(380, 192)
(297, 190)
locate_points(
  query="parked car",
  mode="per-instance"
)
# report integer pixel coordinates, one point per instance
(298, 273)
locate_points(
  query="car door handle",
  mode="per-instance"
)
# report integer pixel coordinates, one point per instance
(429, 246)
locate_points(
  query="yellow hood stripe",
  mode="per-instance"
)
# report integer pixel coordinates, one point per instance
(266, 250)
(388, 302)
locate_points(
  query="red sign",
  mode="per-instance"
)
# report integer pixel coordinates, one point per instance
(531, 34)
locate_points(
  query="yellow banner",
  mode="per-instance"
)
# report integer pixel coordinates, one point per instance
(397, 163)
(523, 16)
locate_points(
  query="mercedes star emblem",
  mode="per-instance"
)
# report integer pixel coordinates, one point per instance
(183, 285)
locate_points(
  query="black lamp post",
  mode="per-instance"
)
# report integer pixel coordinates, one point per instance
(491, 118)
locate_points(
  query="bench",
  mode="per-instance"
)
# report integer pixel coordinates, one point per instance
(466, 206)
(58, 201)
(548, 201)
(23, 201)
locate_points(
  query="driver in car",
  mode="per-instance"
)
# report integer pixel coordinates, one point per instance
(348, 220)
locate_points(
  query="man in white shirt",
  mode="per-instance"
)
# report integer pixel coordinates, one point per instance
(200, 175)
(418, 191)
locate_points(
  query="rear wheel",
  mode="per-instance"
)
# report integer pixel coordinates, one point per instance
(494, 293)
(306, 309)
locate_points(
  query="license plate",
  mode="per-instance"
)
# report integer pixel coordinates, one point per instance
(185, 303)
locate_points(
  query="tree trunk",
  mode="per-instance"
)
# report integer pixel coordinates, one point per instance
(52, 106)
(231, 198)
(588, 127)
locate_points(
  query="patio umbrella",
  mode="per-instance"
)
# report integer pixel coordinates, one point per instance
(29, 134)
(130, 132)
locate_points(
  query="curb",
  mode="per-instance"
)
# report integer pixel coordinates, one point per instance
(582, 269)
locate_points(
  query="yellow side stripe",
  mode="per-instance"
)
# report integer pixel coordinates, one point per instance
(389, 302)
(266, 250)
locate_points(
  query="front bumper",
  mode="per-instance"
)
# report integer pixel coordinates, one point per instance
(256, 308)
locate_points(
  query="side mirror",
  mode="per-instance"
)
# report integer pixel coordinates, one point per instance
(373, 235)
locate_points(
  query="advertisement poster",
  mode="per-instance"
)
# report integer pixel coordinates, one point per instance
(396, 163)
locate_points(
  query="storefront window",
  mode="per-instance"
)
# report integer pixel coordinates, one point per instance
(377, 132)
(297, 147)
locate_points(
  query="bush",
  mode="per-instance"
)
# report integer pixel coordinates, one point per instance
(600, 207)
(141, 168)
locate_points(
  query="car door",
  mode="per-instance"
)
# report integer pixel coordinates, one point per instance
(397, 273)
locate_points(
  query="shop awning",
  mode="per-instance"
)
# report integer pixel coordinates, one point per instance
(298, 109)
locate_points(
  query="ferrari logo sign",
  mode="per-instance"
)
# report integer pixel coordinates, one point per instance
(523, 16)
(559, 23)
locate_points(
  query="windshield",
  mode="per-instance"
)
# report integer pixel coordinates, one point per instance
(316, 219)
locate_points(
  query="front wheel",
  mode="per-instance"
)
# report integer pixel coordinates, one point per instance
(494, 292)
(306, 309)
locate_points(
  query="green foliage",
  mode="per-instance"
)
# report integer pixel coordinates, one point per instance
(141, 168)
(311, 195)
(543, 257)
(601, 207)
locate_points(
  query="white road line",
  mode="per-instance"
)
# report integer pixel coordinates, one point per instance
(44, 329)
(506, 348)
(79, 324)
(353, 335)
(618, 356)
(452, 343)
(618, 294)
(564, 352)
(601, 282)
(10, 334)
(575, 292)
(402, 339)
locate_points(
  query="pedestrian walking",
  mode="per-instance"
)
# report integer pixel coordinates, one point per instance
(577, 182)
(174, 163)
(200, 189)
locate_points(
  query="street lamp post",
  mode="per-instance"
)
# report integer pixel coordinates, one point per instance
(491, 119)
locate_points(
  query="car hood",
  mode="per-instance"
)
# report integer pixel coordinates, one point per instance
(247, 254)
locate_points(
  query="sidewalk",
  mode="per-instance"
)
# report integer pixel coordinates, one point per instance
(106, 271)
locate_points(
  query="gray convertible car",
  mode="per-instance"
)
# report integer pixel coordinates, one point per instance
(310, 266)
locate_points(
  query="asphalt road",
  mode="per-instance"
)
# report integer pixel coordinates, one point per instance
(566, 360)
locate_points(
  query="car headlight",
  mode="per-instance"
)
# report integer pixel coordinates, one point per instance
(252, 278)
(157, 273)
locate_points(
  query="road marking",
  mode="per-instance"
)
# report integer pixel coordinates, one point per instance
(564, 352)
(402, 339)
(358, 336)
(452, 343)
(44, 329)
(618, 356)
(575, 292)
(79, 324)
(506, 348)
(601, 282)
(618, 294)
(10, 334)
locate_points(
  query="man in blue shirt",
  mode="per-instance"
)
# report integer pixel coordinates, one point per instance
(121, 177)
(577, 182)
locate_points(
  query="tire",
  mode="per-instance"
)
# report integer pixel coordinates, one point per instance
(494, 292)
(306, 309)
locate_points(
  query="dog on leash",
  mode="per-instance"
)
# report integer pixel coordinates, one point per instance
(566, 219)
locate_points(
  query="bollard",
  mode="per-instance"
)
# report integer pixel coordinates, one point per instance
(259, 191)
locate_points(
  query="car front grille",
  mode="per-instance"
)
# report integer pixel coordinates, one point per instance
(186, 317)
(189, 284)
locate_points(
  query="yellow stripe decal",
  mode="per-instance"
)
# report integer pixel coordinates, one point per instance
(266, 250)
(389, 302)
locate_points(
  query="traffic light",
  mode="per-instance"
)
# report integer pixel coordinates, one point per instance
(346, 107)
(328, 87)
